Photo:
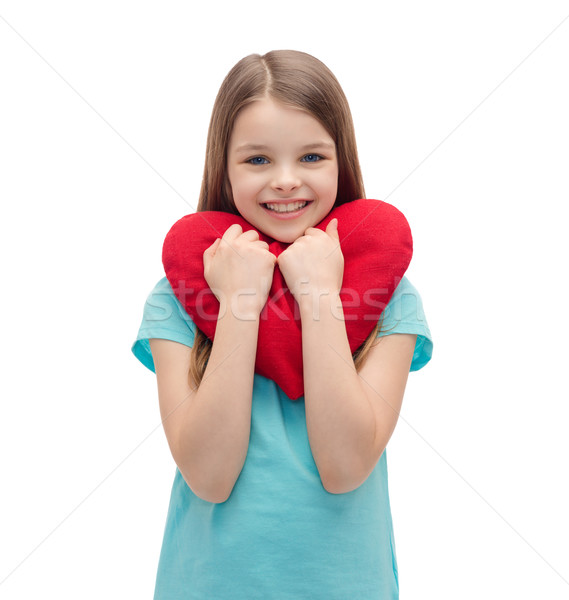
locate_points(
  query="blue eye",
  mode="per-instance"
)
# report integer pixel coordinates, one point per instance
(311, 158)
(258, 160)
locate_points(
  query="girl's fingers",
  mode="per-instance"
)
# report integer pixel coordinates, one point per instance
(211, 250)
(232, 232)
(251, 235)
(332, 229)
(261, 244)
(209, 253)
(314, 231)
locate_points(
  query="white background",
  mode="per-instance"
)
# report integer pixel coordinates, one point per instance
(462, 123)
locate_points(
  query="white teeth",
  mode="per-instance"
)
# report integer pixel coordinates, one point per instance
(281, 208)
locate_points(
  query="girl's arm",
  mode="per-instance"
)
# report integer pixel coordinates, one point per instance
(350, 416)
(208, 428)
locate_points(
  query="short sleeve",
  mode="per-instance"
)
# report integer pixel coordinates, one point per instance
(164, 318)
(404, 314)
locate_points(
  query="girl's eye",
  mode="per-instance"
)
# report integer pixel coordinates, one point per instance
(311, 158)
(258, 160)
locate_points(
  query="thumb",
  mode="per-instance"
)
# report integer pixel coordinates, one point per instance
(332, 229)
(209, 253)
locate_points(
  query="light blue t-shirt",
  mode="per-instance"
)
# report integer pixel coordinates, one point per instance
(280, 535)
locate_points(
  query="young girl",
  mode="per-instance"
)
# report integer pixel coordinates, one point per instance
(275, 498)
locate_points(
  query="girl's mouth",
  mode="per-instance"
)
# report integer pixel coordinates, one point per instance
(286, 208)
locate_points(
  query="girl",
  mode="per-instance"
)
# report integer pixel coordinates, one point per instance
(273, 498)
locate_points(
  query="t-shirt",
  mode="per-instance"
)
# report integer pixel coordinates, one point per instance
(280, 535)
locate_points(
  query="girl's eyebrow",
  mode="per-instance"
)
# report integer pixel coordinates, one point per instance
(317, 145)
(251, 147)
(262, 147)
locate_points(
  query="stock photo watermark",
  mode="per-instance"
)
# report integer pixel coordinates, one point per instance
(349, 305)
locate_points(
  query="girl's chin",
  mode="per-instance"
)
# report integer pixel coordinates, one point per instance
(285, 237)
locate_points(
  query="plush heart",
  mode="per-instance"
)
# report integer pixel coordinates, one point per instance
(377, 246)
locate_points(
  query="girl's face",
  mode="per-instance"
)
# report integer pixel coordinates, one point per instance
(282, 168)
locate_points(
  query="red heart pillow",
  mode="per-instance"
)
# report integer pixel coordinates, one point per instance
(377, 246)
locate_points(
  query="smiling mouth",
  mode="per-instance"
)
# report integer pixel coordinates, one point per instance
(282, 207)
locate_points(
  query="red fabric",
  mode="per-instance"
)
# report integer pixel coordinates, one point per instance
(377, 246)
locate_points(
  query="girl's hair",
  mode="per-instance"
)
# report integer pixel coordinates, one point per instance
(296, 79)
(293, 78)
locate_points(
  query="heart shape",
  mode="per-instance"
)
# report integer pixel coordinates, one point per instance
(377, 246)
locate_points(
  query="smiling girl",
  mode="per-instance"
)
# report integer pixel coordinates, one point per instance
(282, 168)
(274, 498)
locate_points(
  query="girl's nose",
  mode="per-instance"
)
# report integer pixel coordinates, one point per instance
(286, 180)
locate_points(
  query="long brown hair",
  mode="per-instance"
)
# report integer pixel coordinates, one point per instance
(295, 79)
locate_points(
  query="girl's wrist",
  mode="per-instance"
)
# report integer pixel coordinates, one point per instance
(317, 304)
(246, 305)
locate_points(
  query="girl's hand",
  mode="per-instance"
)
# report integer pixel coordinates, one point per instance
(313, 265)
(238, 268)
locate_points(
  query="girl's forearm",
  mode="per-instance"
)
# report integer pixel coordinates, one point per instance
(339, 417)
(218, 420)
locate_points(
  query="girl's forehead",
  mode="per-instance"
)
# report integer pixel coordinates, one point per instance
(267, 118)
(268, 107)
